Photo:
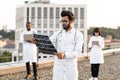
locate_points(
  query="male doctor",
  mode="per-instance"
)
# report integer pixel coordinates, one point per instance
(68, 42)
(29, 51)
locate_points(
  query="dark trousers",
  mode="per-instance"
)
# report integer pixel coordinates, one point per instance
(34, 68)
(95, 70)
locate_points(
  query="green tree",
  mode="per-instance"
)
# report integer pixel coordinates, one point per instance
(8, 35)
(115, 33)
(6, 57)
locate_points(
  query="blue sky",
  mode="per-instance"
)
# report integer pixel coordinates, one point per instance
(99, 12)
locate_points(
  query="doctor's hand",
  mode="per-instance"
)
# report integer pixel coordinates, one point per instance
(33, 41)
(60, 55)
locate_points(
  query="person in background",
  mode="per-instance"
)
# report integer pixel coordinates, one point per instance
(29, 51)
(96, 44)
(68, 42)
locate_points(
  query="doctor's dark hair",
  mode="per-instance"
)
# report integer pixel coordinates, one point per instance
(28, 23)
(69, 14)
(97, 30)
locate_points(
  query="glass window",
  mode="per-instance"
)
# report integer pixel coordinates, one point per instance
(63, 9)
(76, 12)
(82, 23)
(81, 13)
(45, 23)
(45, 12)
(28, 11)
(27, 14)
(15, 58)
(39, 22)
(39, 31)
(33, 22)
(45, 32)
(51, 13)
(20, 58)
(69, 9)
(51, 22)
(76, 23)
(17, 35)
(39, 25)
(33, 12)
(39, 12)
(57, 23)
(20, 48)
(33, 25)
(57, 12)
(51, 33)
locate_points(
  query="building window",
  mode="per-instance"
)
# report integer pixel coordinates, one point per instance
(39, 23)
(76, 13)
(39, 18)
(39, 31)
(45, 12)
(20, 58)
(15, 58)
(45, 23)
(33, 12)
(17, 35)
(51, 33)
(57, 12)
(39, 12)
(81, 13)
(76, 23)
(45, 17)
(45, 32)
(33, 17)
(27, 14)
(57, 23)
(51, 13)
(70, 9)
(33, 22)
(82, 23)
(51, 22)
(63, 9)
(20, 48)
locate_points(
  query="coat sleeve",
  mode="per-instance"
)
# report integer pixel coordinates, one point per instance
(90, 43)
(78, 47)
(53, 39)
(102, 43)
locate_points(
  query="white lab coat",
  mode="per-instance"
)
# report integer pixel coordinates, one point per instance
(96, 55)
(66, 69)
(29, 49)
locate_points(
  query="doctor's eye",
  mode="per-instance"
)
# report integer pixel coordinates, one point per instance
(64, 21)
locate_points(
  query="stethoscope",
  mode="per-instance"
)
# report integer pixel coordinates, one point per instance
(60, 34)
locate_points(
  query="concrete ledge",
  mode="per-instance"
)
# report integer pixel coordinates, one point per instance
(21, 67)
(42, 64)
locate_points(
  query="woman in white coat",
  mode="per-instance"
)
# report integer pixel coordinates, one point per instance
(29, 51)
(96, 44)
(68, 43)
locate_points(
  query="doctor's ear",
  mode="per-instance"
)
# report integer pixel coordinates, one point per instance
(71, 21)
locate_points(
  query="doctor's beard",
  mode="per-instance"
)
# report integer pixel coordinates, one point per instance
(28, 29)
(66, 27)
